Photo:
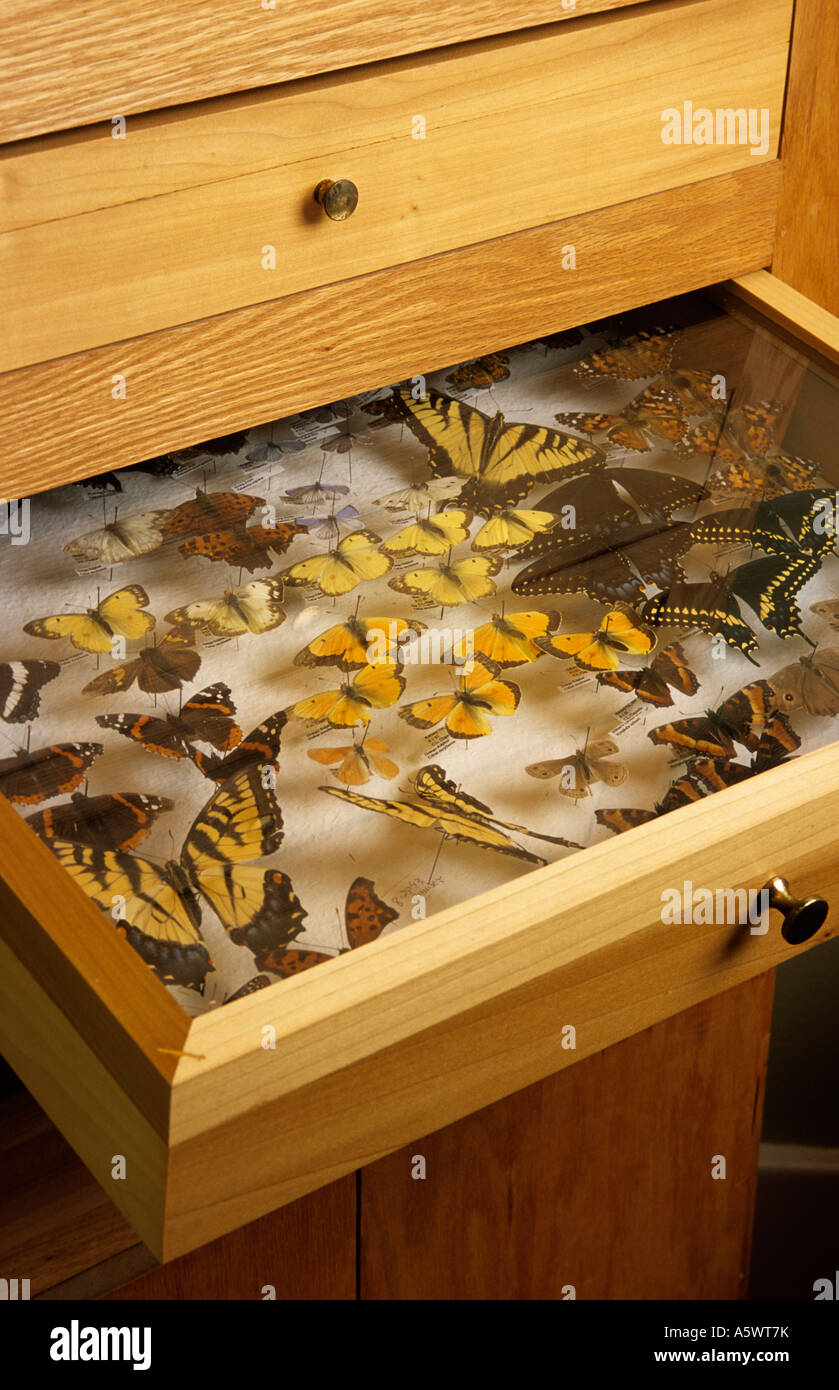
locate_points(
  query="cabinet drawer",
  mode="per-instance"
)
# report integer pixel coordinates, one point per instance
(205, 209)
(224, 1113)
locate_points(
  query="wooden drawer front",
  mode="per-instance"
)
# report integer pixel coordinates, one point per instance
(104, 239)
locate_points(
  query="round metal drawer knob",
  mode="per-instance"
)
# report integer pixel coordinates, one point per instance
(339, 199)
(802, 916)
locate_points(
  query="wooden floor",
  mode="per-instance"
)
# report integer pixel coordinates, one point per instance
(596, 1184)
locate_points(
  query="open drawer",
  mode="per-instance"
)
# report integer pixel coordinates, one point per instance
(198, 1115)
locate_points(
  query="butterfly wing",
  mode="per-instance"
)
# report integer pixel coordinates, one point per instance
(21, 683)
(365, 914)
(259, 749)
(464, 581)
(158, 917)
(451, 823)
(510, 639)
(119, 820)
(121, 540)
(123, 611)
(770, 587)
(46, 772)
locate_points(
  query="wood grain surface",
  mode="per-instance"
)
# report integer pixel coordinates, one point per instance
(808, 214)
(598, 1178)
(70, 64)
(59, 421)
(304, 1251)
(533, 133)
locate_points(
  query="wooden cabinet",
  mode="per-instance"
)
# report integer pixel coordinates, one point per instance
(140, 261)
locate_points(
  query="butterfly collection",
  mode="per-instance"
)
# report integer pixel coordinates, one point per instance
(588, 561)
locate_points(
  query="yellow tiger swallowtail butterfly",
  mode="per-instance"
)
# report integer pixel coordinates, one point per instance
(160, 907)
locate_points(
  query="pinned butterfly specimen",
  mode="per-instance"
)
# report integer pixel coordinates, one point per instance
(343, 441)
(155, 669)
(656, 413)
(511, 529)
(652, 683)
(745, 430)
(699, 392)
(315, 492)
(355, 763)
(510, 639)
(709, 606)
(439, 804)
(122, 539)
(205, 718)
(418, 497)
(775, 747)
(568, 338)
(611, 571)
(210, 511)
(762, 477)
(119, 615)
(37, 775)
(577, 772)
(247, 547)
(431, 535)
(682, 792)
(466, 711)
(385, 412)
(459, 581)
(743, 718)
(828, 611)
(254, 607)
(259, 749)
(481, 373)
(770, 587)
(329, 526)
(117, 820)
(162, 907)
(347, 644)
(620, 634)
(811, 683)
(371, 688)
(365, 918)
(642, 354)
(784, 526)
(595, 506)
(353, 561)
(498, 462)
(275, 450)
(21, 683)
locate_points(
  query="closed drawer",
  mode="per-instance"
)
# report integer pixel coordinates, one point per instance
(230, 1113)
(210, 208)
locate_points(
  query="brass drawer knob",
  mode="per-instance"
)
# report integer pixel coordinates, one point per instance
(338, 199)
(802, 916)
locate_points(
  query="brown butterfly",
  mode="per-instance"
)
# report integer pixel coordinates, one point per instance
(762, 478)
(155, 669)
(828, 610)
(811, 683)
(260, 748)
(587, 765)
(33, 776)
(207, 718)
(365, 918)
(746, 430)
(652, 683)
(657, 413)
(620, 818)
(210, 511)
(743, 718)
(697, 391)
(481, 373)
(117, 820)
(642, 354)
(245, 546)
(357, 762)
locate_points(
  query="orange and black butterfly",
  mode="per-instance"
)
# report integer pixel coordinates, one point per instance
(482, 373)
(745, 431)
(365, 918)
(206, 718)
(762, 477)
(210, 511)
(656, 413)
(642, 354)
(620, 818)
(260, 748)
(745, 717)
(155, 669)
(117, 820)
(697, 391)
(37, 775)
(247, 547)
(652, 683)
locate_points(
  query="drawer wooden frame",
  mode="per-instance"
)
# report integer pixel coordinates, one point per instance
(378, 1047)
